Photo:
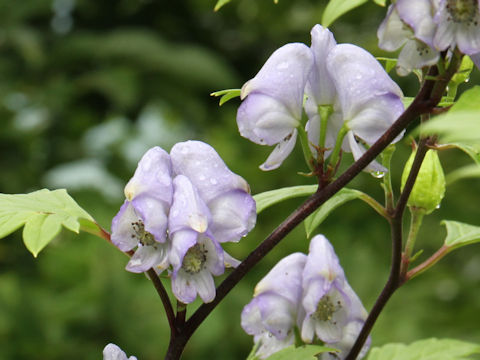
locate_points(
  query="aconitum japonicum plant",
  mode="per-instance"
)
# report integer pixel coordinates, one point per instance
(183, 206)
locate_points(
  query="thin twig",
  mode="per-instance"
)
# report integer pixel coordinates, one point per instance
(157, 283)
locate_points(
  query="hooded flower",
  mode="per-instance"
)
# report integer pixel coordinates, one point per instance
(113, 352)
(141, 222)
(179, 208)
(270, 317)
(272, 106)
(395, 32)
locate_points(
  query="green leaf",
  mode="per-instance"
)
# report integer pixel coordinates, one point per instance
(468, 171)
(337, 8)
(220, 3)
(472, 150)
(389, 63)
(380, 2)
(42, 213)
(458, 126)
(306, 352)
(428, 349)
(226, 95)
(340, 198)
(272, 197)
(460, 234)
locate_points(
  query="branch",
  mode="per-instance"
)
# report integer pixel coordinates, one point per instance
(157, 283)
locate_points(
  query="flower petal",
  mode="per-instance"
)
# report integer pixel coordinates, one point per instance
(182, 240)
(205, 169)
(182, 287)
(147, 257)
(392, 32)
(280, 153)
(358, 150)
(419, 15)
(123, 236)
(233, 215)
(205, 286)
(415, 55)
(153, 214)
(113, 352)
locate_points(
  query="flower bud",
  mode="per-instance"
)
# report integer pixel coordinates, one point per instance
(429, 188)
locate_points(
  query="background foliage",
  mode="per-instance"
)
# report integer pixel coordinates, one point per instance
(87, 86)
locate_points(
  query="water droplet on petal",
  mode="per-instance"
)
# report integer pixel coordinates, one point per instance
(282, 66)
(377, 174)
(213, 181)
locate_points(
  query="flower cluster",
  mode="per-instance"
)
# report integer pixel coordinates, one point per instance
(113, 352)
(350, 99)
(179, 207)
(426, 27)
(310, 292)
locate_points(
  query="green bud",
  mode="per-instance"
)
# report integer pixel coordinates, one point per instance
(429, 188)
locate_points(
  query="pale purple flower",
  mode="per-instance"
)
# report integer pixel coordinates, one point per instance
(370, 101)
(350, 333)
(141, 222)
(113, 352)
(395, 32)
(271, 316)
(329, 304)
(272, 106)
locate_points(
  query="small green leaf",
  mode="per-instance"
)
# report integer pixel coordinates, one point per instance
(226, 95)
(460, 234)
(340, 198)
(458, 126)
(220, 3)
(337, 8)
(464, 172)
(471, 150)
(428, 349)
(389, 63)
(306, 352)
(42, 213)
(380, 2)
(272, 197)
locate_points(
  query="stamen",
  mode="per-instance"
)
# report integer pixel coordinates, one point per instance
(195, 258)
(326, 308)
(463, 11)
(143, 236)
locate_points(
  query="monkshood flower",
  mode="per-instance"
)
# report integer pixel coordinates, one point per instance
(350, 333)
(395, 32)
(271, 316)
(330, 306)
(272, 106)
(113, 352)
(369, 100)
(141, 222)
(179, 208)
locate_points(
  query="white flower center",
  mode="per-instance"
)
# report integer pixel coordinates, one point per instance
(143, 236)
(326, 308)
(463, 11)
(195, 258)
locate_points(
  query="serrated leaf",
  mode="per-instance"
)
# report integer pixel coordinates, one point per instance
(220, 3)
(460, 234)
(337, 8)
(272, 197)
(319, 215)
(226, 95)
(428, 349)
(468, 171)
(306, 352)
(43, 213)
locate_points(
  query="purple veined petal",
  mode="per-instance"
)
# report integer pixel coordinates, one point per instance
(183, 289)
(123, 235)
(280, 153)
(476, 59)
(320, 86)
(374, 117)
(251, 319)
(270, 344)
(277, 313)
(113, 352)
(152, 176)
(205, 286)
(358, 150)
(265, 120)
(205, 169)
(229, 261)
(214, 262)
(188, 210)
(146, 257)
(445, 34)
(283, 77)
(233, 215)
(182, 240)
(468, 38)
(153, 214)
(419, 14)
(358, 77)
(415, 55)
(285, 278)
(392, 32)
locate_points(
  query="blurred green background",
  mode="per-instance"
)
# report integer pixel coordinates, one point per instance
(87, 86)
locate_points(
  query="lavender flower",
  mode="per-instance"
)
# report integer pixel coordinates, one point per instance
(270, 317)
(113, 352)
(395, 32)
(272, 106)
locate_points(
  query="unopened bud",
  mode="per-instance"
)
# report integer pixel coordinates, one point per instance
(429, 188)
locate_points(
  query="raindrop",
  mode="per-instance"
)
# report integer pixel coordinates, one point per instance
(377, 174)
